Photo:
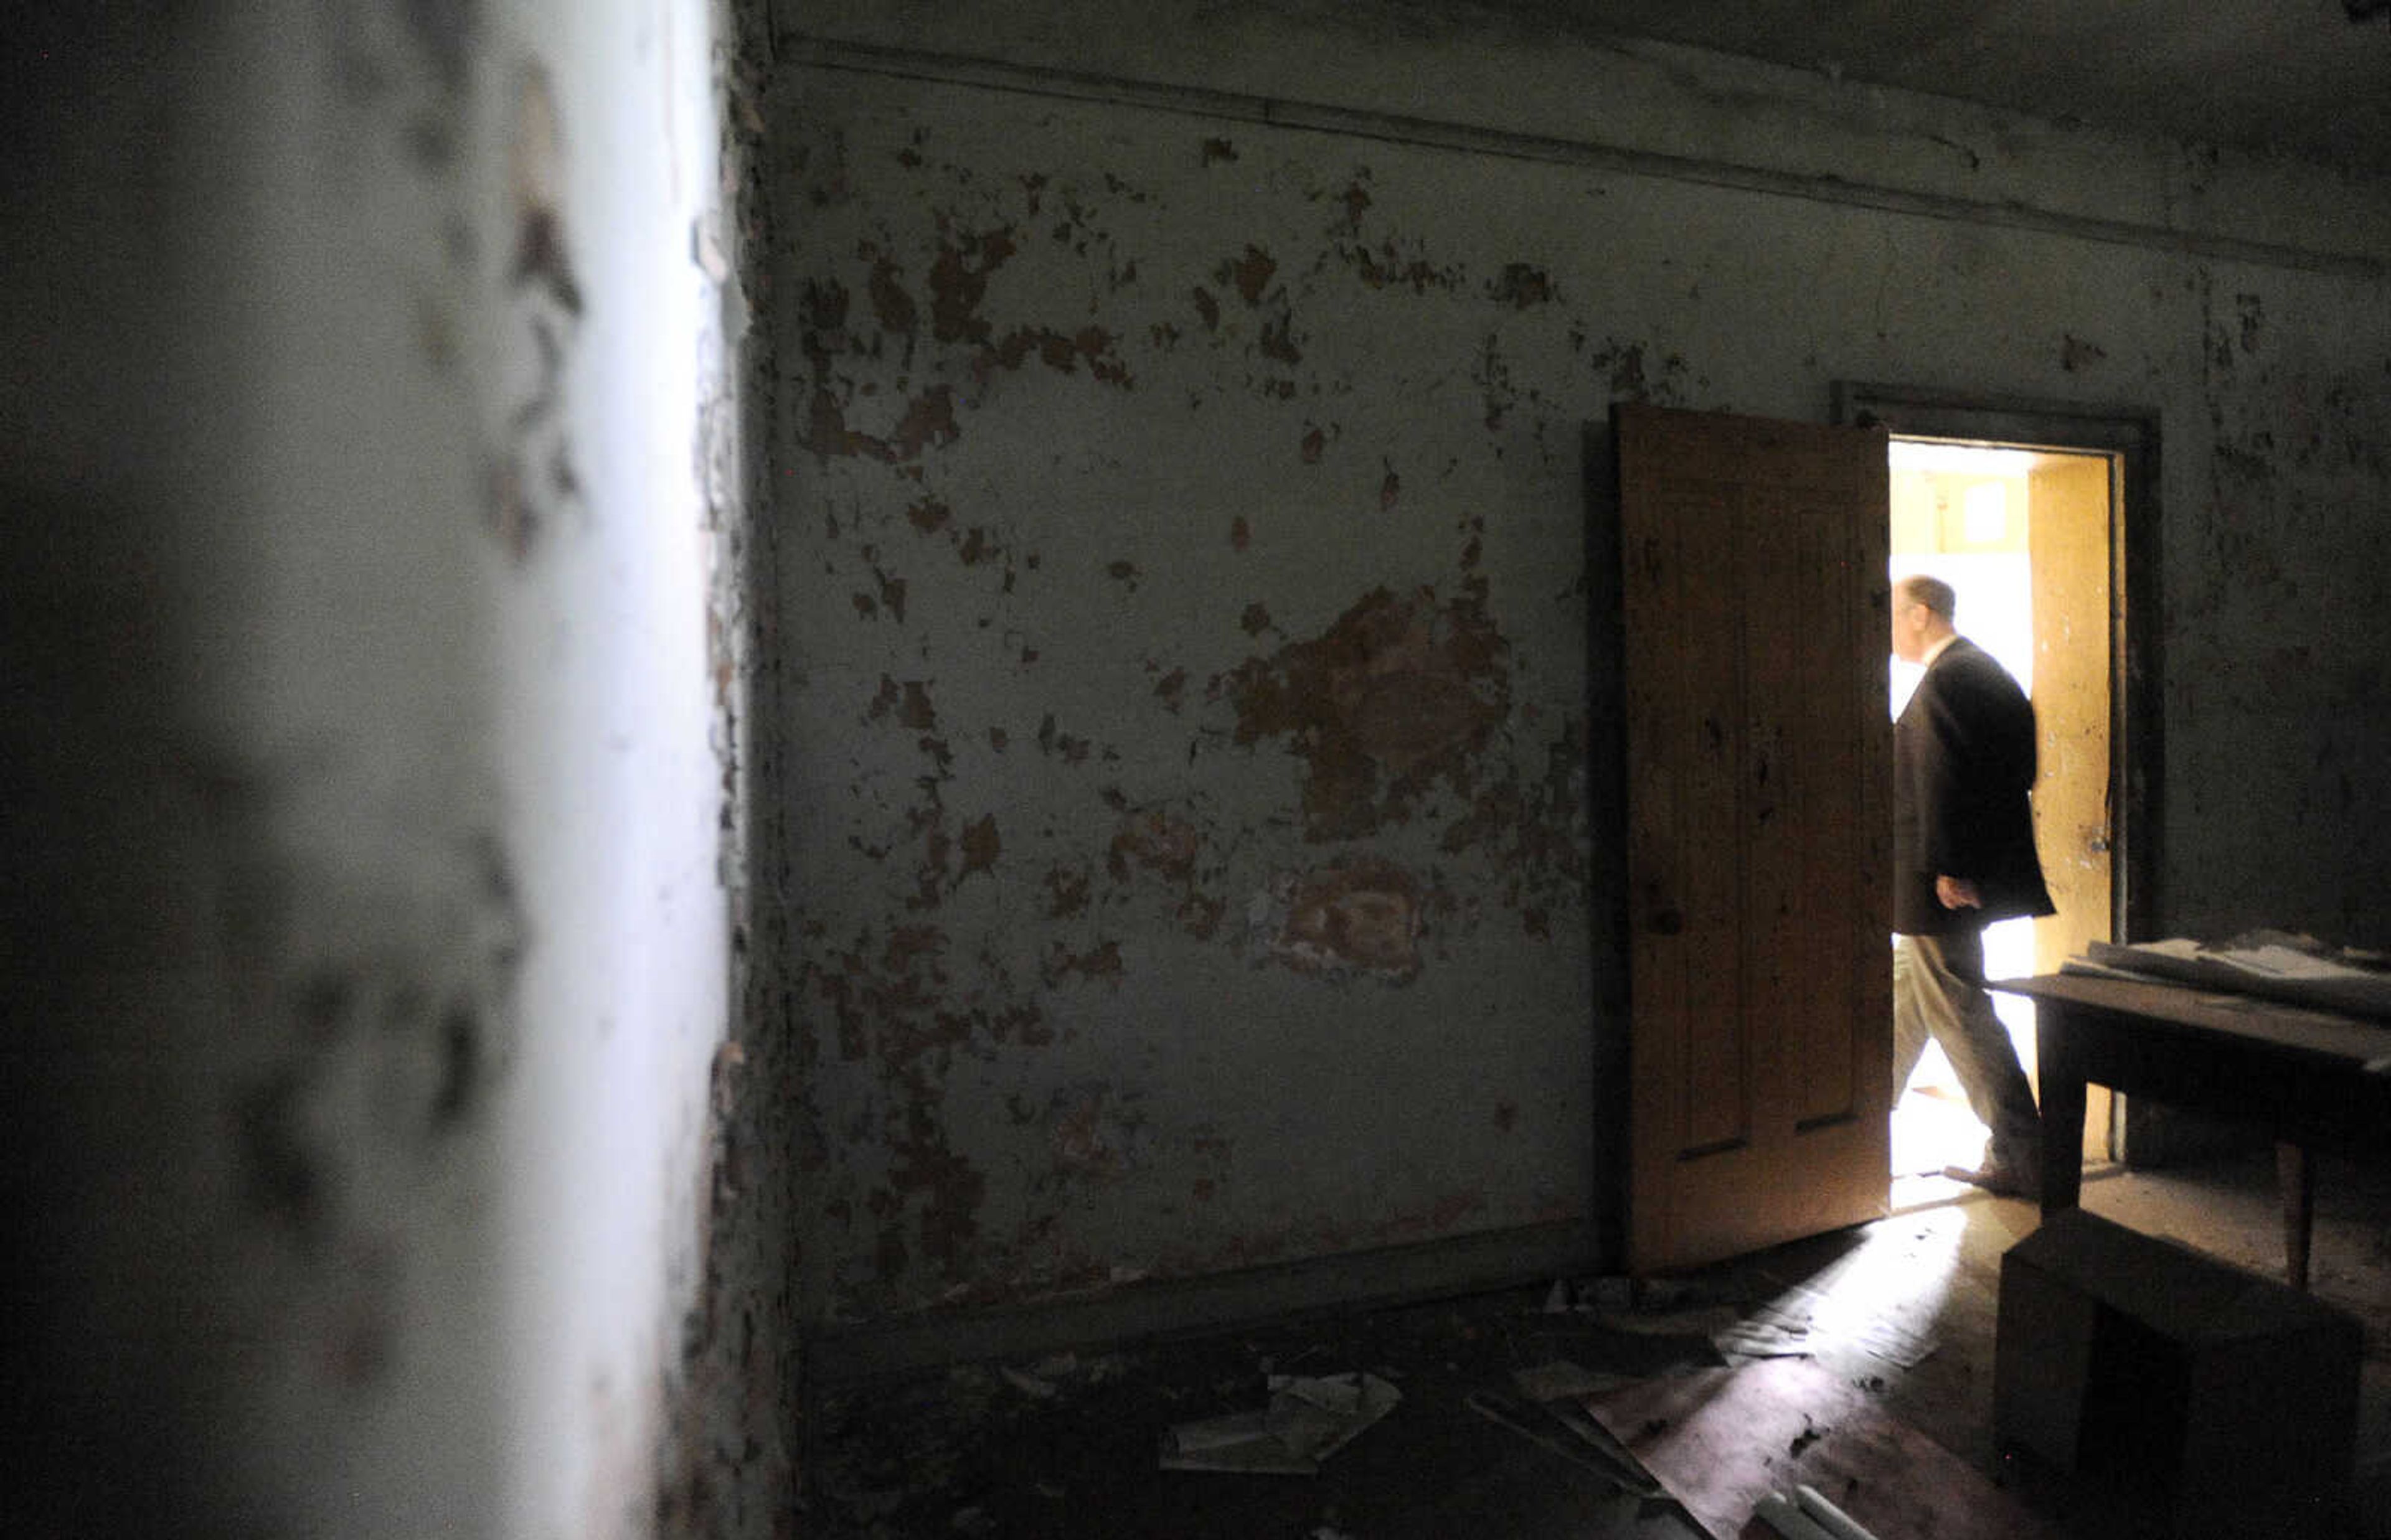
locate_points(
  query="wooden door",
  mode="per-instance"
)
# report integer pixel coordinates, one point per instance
(1753, 595)
(2069, 532)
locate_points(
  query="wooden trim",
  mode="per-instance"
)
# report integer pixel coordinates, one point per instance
(840, 1355)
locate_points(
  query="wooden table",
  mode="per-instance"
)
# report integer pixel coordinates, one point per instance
(2301, 1074)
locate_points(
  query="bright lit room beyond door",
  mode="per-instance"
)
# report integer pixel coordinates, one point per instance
(2024, 536)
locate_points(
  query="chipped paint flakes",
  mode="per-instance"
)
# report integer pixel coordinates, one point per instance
(1388, 268)
(1060, 352)
(928, 423)
(904, 1012)
(1631, 379)
(1090, 1134)
(981, 846)
(1533, 832)
(1169, 847)
(908, 703)
(821, 306)
(1051, 741)
(1154, 840)
(890, 304)
(1067, 892)
(881, 1000)
(2075, 353)
(1248, 274)
(941, 1190)
(1200, 915)
(1521, 286)
(959, 282)
(1356, 202)
(1102, 961)
(1399, 692)
(1362, 917)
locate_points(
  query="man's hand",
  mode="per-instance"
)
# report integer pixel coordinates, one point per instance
(1958, 892)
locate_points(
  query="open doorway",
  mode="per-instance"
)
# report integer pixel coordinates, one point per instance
(2096, 602)
(2024, 535)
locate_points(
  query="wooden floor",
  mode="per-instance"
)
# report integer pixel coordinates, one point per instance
(1903, 1310)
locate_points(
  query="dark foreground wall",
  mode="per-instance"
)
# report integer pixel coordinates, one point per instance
(382, 1155)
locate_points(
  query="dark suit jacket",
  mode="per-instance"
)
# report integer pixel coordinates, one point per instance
(1963, 761)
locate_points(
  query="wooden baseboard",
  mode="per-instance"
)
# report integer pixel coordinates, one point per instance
(834, 1356)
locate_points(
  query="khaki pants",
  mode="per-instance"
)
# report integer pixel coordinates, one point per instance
(1938, 992)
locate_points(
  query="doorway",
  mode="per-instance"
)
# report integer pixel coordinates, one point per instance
(1754, 801)
(2045, 517)
(2022, 536)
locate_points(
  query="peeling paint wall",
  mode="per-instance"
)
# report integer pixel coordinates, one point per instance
(1183, 482)
(379, 647)
(2280, 667)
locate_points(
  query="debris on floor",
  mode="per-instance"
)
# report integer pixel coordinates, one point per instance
(1721, 1441)
(1589, 1444)
(1838, 1524)
(1512, 1398)
(1806, 1514)
(1308, 1419)
(1756, 1337)
(1799, 1322)
(1029, 1385)
(1786, 1520)
(1561, 1378)
(1617, 1350)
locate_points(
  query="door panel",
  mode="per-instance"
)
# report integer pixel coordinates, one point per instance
(1753, 595)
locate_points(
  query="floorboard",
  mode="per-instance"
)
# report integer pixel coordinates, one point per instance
(1899, 1312)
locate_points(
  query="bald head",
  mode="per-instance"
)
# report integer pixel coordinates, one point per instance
(1922, 610)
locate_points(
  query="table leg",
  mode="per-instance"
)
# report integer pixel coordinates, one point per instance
(2297, 1182)
(2062, 1107)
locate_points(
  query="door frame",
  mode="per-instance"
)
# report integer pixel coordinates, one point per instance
(2137, 703)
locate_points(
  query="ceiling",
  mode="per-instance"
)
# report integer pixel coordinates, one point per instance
(2296, 76)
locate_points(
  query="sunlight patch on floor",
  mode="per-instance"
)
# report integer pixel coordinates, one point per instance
(1932, 1129)
(1881, 1298)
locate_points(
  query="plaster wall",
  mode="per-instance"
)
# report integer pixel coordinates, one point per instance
(376, 808)
(1199, 826)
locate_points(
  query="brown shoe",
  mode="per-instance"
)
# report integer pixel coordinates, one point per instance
(1999, 1180)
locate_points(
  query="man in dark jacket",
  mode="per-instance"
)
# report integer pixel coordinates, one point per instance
(1963, 762)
